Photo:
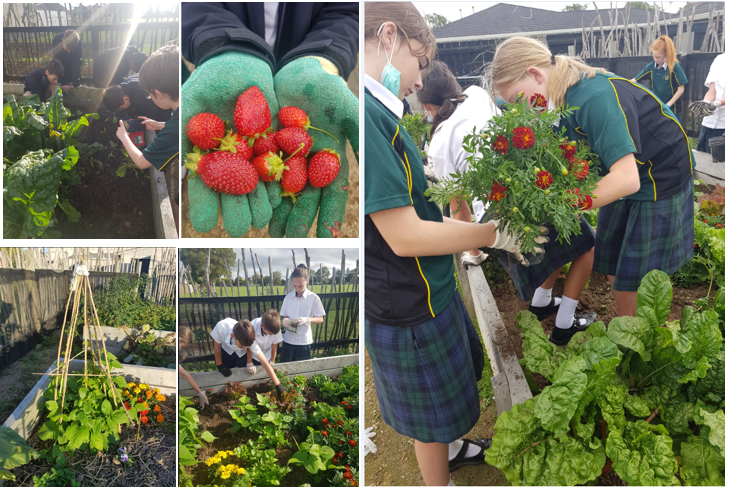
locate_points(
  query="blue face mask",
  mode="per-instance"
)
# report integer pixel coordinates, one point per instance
(430, 119)
(390, 78)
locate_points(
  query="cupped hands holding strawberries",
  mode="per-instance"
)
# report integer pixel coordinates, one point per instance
(263, 175)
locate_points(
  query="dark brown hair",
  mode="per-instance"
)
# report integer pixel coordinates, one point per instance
(114, 97)
(55, 67)
(410, 24)
(244, 333)
(440, 88)
(300, 271)
(271, 321)
(161, 72)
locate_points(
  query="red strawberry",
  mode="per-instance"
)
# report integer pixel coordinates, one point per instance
(224, 171)
(204, 130)
(269, 166)
(235, 143)
(294, 179)
(266, 143)
(252, 115)
(293, 117)
(291, 139)
(323, 167)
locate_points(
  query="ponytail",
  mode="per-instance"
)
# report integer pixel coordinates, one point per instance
(440, 88)
(665, 44)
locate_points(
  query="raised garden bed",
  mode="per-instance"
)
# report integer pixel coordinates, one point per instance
(116, 338)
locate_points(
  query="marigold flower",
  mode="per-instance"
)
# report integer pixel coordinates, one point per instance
(347, 475)
(497, 192)
(148, 393)
(143, 386)
(349, 434)
(340, 442)
(340, 455)
(324, 421)
(352, 442)
(335, 460)
(523, 138)
(144, 419)
(131, 385)
(581, 169)
(324, 433)
(160, 398)
(568, 150)
(137, 391)
(544, 179)
(501, 145)
(160, 418)
(349, 407)
(353, 483)
(157, 409)
(538, 100)
(583, 201)
(340, 423)
(344, 402)
(139, 400)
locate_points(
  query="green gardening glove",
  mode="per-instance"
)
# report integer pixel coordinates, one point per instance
(313, 85)
(215, 87)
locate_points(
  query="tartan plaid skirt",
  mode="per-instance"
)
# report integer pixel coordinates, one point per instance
(636, 237)
(424, 375)
(527, 279)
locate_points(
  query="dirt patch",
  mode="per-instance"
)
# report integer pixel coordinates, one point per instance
(110, 206)
(152, 450)
(350, 227)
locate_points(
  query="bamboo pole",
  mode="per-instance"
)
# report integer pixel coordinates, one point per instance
(60, 343)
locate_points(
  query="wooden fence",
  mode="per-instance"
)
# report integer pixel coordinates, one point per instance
(340, 327)
(28, 48)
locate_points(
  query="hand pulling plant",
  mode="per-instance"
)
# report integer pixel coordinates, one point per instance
(528, 174)
(609, 390)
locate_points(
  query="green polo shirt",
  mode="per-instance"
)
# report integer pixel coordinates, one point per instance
(399, 291)
(663, 82)
(165, 146)
(617, 117)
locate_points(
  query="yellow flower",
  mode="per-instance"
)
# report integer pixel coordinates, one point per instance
(160, 398)
(125, 392)
(241, 471)
(137, 391)
(144, 386)
(231, 453)
(131, 385)
(225, 475)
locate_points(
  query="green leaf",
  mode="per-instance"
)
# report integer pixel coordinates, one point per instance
(119, 417)
(631, 332)
(49, 430)
(648, 460)
(637, 406)
(14, 451)
(82, 392)
(700, 464)
(6, 475)
(71, 213)
(655, 293)
(540, 355)
(207, 437)
(106, 407)
(557, 403)
(51, 405)
(120, 382)
(715, 422)
(96, 441)
(611, 404)
(80, 436)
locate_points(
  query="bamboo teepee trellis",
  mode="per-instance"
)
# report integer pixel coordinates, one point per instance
(81, 286)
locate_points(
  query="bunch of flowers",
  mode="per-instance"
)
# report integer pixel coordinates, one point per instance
(123, 456)
(231, 474)
(145, 400)
(526, 172)
(346, 478)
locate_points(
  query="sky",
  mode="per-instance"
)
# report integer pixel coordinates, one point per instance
(281, 258)
(451, 9)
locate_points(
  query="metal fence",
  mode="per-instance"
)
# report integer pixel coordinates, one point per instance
(339, 330)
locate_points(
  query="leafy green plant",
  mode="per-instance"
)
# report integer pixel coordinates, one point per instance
(272, 425)
(261, 464)
(417, 128)
(314, 457)
(60, 475)
(145, 349)
(629, 375)
(188, 441)
(14, 451)
(346, 386)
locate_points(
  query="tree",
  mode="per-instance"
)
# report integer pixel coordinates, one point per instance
(436, 20)
(641, 5)
(576, 6)
(277, 278)
(194, 259)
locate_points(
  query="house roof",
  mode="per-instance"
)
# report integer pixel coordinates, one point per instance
(505, 18)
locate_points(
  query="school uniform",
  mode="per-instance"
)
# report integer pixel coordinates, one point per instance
(232, 355)
(141, 105)
(71, 62)
(265, 342)
(653, 228)
(297, 345)
(664, 82)
(714, 125)
(417, 332)
(36, 83)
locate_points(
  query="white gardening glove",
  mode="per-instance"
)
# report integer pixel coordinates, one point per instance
(510, 243)
(286, 323)
(251, 368)
(271, 361)
(366, 438)
(472, 260)
(203, 399)
(302, 320)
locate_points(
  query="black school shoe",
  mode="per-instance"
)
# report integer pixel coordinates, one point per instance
(562, 336)
(460, 460)
(543, 312)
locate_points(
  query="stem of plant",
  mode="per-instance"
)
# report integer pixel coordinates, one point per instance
(335, 139)
(653, 415)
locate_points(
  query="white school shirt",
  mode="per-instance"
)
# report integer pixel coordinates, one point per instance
(308, 305)
(446, 148)
(222, 335)
(718, 73)
(265, 341)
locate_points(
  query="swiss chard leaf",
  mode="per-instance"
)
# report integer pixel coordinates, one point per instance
(655, 293)
(700, 463)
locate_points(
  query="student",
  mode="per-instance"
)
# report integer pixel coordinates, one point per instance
(113, 66)
(647, 187)
(129, 97)
(300, 309)
(43, 81)
(268, 336)
(455, 115)
(185, 340)
(232, 341)
(68, 49)
(713, 107)
(665, 73)
(418, 334)
(159, 79)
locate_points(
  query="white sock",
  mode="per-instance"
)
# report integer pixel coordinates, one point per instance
(455, 447)
(566, 313)
(542, 297)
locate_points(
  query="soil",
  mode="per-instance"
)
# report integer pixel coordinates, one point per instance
(110, 206)
(153, 455)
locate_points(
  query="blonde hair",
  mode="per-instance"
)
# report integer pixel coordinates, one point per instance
(410, 24)
(665, 44)
(515, 55)
(70, 39)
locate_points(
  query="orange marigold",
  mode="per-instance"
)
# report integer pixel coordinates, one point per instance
(497, 192)
(544, 179)
(148, 393)
(160, 418)
(501, 145)
(538, 100)
(144, 419)
(568, 151)
(157, 409)
(523, 138)
(160, 397)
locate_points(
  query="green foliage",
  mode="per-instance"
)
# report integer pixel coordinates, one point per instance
(624, 374)
(346, 386)
(436, 20)
(520, 169)
(272, 425)
(576, 6)
(146, 349)
(314, 457)
(188, 441)
(60, 475)
(14, 451)
(195, 259)
(417, 128)
(261, 464)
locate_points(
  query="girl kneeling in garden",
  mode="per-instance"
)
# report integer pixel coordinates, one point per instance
(647, 190)
(426, 355)
(455, 115)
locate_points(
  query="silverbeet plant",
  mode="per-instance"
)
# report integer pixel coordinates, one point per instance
(527, 173)
(644, 393)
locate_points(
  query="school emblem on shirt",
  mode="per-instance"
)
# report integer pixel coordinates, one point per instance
(666, 77)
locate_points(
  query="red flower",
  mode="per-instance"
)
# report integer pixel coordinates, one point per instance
(324, 433)
(538, 100)
(581, 169)
(139, 400)
(544, 179)
(568, 151)
(144, 420)
(347, 475)
(340, 423)
(349, 434)
(719, 225)
(497, 192)
(696, 245)
(583, 200)
(344, 402)
(349, 407)
(523, 138)
(353, 483)
(340, 455)
(340, 442)
(501, 145)
(352, 442)
(335, 460)
(705, 221)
